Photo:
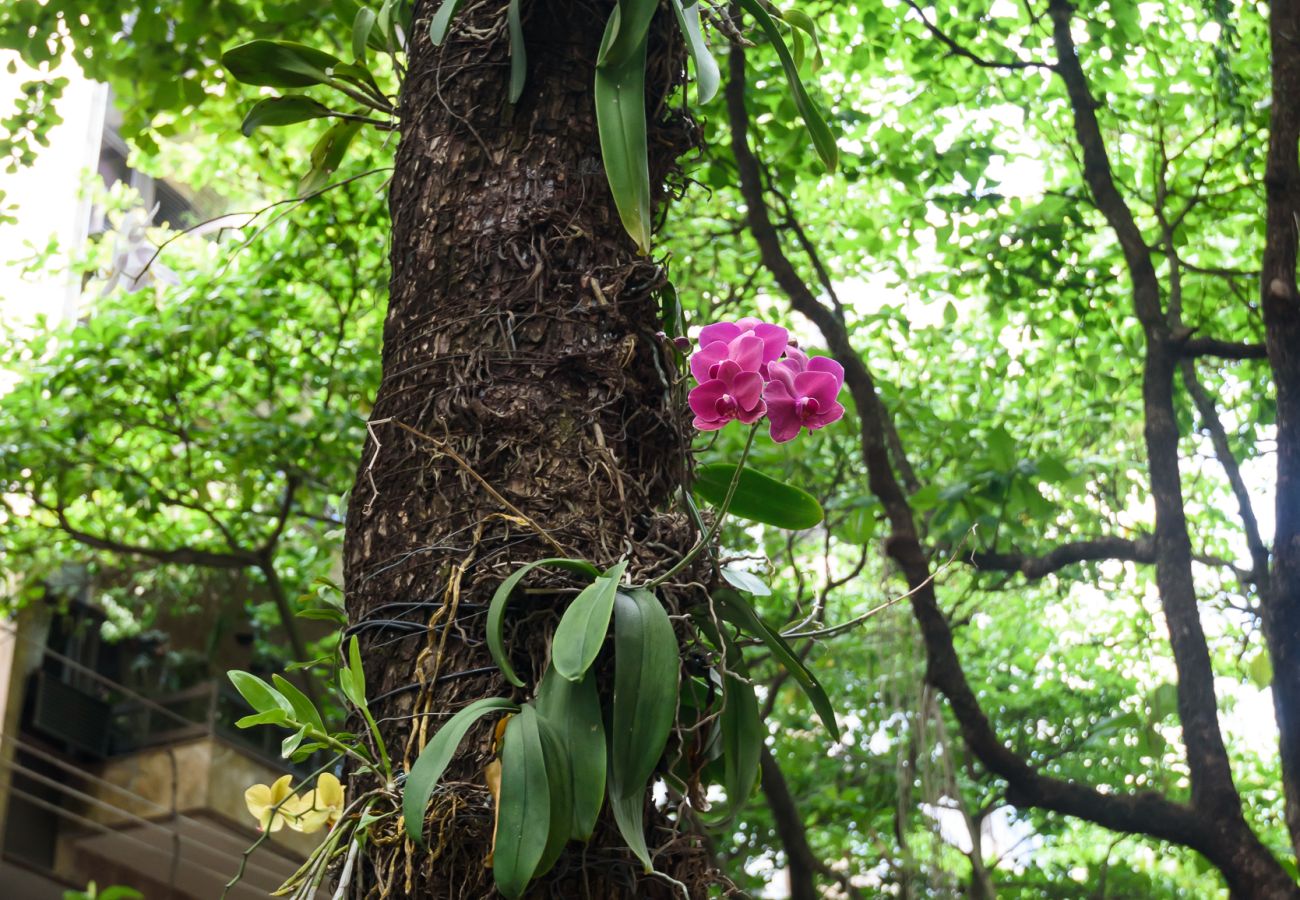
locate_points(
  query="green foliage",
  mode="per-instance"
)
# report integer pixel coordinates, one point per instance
(581, 631)
(497, 608)
(757, 497)
(435, 756)
(112, 892)
(524, 814)
(975, 277)
(645, 700)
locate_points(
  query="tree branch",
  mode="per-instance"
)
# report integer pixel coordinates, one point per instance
(957, 49)
(1207, 757)
(181, 556)
(1142, 550)
(1280, 300)
(1219, 438)
(1146, 812)
(1198, 347)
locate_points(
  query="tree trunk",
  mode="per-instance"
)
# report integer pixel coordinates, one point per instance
(526, 410)
(1280, 604)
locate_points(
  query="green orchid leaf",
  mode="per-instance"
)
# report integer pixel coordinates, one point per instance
(621, 123)
(822, 138)
(646, 671)
(758, 498)
(435, 757)
(327, 155)
(625, 35)
(497, 608)
(275, 111)
(524, 816)
(707, 74)
(736, 610)
(281, 64)
(304, 710)
(518, 53)
(260, 695)
(745, 581)
(441, 21)
(582, 631)
(362, 25)
(559, 778)
(573, 711)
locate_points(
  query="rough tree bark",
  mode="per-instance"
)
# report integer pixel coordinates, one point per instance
(1280, 604)
(524, 412)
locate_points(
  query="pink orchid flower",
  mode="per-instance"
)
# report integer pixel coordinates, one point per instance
(801, 394)
(734, 393)
(729, 340)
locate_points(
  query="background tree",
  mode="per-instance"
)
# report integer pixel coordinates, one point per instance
(996, 312)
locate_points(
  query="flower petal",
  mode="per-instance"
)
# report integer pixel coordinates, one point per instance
(820, 386)
(329, 791)
(783, 418)
(719, 331)
(747, 388)
(747, 352)
(822, 419)
(258, 799)
(750, 416)
(775, 340)
(703, 400)
(826, 364)
(707, 356)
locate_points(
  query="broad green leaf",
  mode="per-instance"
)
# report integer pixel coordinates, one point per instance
(524, 817)
(442, 21)
(758, 498)
(303, 709)
(646, 669)
(281, 64)
(573, 710)
(327, 155)
(582, 631)
(355, 73)
(290, 744)
(559, 778)
(822, 138)
(275, 111)
(518, 52)
(361, 28)
(736, 610)
(270, 717)
(800, 21)
(497, 608)
(621, 122)
(434, 758)
(625, 35)
(739, 735)
(324, 614)
(741, 731)
(357, 672)
(707, 75)
(260, 695)
(745, 581)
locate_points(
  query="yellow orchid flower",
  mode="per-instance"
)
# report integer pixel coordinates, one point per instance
(319, 807)
(272, 805)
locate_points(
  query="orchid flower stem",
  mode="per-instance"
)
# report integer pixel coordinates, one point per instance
(708, 539)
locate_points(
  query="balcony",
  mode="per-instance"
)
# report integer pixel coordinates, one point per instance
(106, 784)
